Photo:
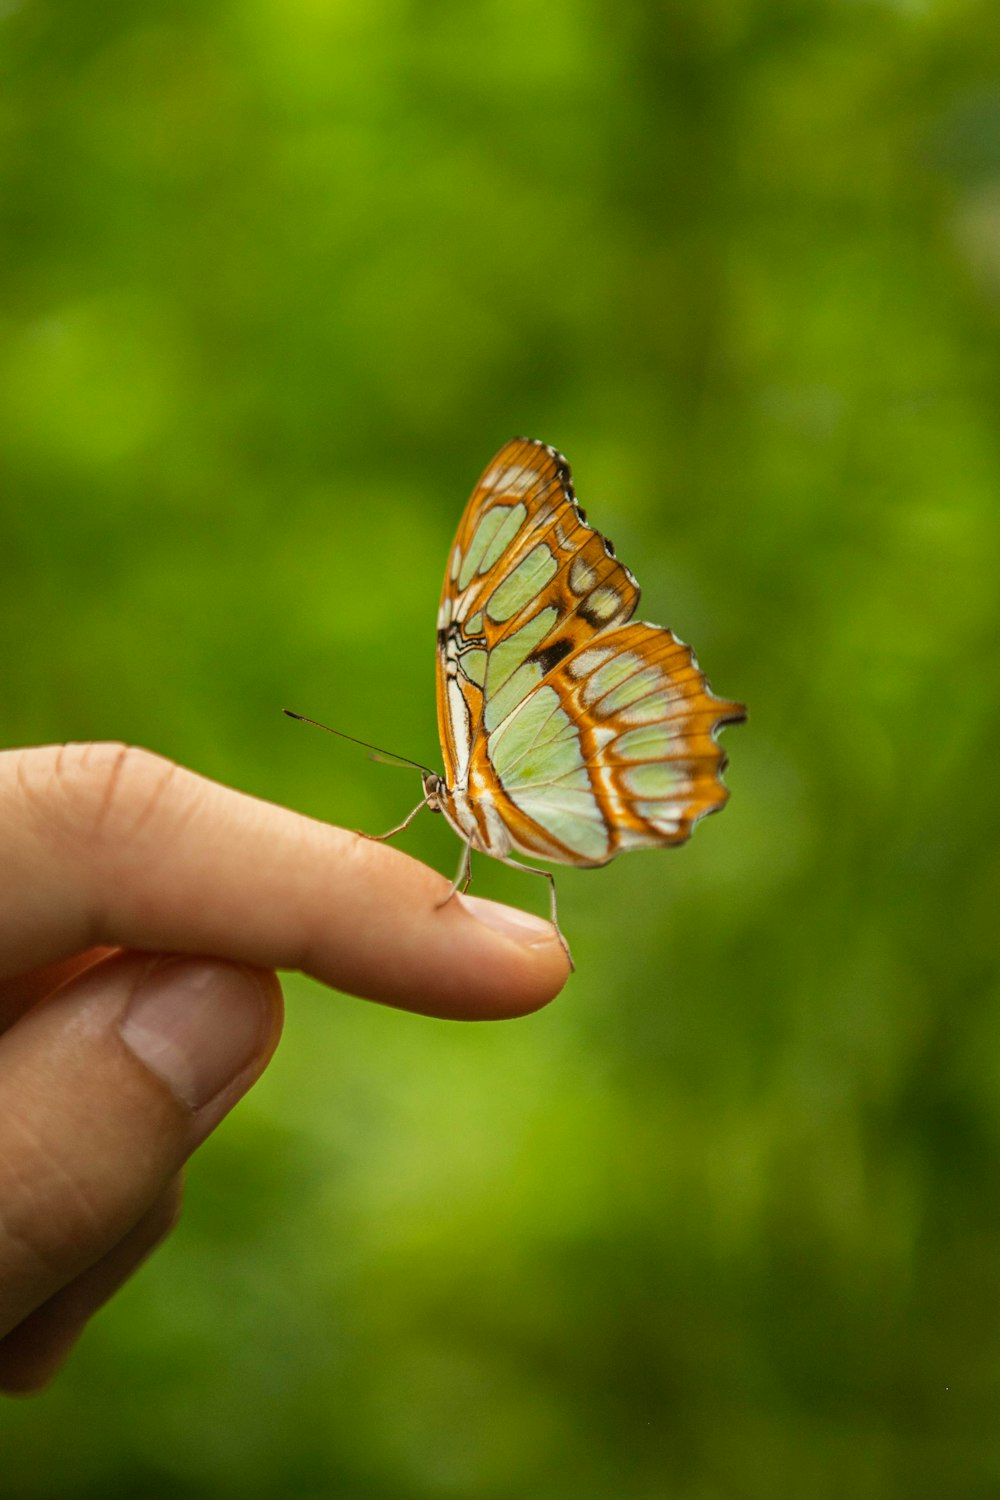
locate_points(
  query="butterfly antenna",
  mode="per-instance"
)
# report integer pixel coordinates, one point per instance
(387, 757)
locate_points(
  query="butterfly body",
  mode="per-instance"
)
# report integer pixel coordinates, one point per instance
(474, 819)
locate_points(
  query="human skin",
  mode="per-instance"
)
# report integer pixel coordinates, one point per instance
(143, 912)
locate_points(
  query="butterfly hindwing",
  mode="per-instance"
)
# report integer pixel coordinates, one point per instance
(614, 750)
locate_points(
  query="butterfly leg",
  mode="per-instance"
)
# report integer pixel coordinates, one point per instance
(464, 876)
(380, 838)
(515, 864)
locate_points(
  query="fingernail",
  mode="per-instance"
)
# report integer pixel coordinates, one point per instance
(196, 1025)
(521, 926)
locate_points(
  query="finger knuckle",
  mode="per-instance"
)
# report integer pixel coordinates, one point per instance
(95, 792)
(50, 1221)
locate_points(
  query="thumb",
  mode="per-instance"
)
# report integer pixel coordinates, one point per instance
(105, 1090)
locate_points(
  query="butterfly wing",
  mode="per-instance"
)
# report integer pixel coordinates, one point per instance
(614, 750)
(574, 733)
(527, 581)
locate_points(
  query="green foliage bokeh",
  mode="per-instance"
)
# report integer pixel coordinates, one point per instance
(277, 277)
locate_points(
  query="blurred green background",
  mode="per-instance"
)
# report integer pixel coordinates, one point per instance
(278, 277)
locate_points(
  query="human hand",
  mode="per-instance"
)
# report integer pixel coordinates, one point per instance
(143, 910)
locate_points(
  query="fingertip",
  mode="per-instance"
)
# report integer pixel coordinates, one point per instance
(204, 1028)
(522, 927)
(274, 997)
(540, 967)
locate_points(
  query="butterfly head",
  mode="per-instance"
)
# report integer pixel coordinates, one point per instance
(435, 790)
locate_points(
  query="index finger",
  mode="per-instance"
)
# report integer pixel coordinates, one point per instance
(108, 844)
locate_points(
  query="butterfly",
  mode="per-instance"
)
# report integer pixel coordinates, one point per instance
(570, 731)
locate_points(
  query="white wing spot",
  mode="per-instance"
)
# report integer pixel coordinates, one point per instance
(589, 661)
(631, 690)
(657, 706)
(461, 731)
(603, 603)
(664, 816)
(582, 576)
(610, 674)
(653, 779)
(510, 479)
(649, 742)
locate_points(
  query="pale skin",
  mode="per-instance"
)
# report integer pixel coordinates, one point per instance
(143, 913)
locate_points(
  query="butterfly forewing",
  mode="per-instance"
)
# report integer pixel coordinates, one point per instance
(528, 581)
(571, 733)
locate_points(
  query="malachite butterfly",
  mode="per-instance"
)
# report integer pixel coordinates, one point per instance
(570, 731)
